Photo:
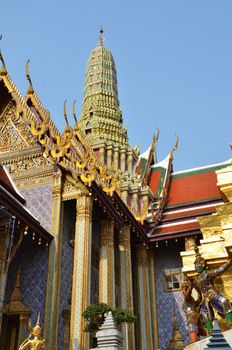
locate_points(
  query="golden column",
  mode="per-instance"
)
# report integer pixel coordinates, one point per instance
(81, 283)
(52, 309)
(130, 161)
(106, 265)
(4, 242)
(152, 289)
(102, 154)
(123, 159)
(126, 291)
(144, 308)
(116, 158)
(109, 155)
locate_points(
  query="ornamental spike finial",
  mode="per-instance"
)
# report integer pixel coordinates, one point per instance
(156, 137)
(175, 147)
(101, 39)
(74, 111)
(38, 320)
(30, 90)
(65, 113)
(3, 69)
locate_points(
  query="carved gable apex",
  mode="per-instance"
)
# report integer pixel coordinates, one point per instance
(14, 133)
(71, 190)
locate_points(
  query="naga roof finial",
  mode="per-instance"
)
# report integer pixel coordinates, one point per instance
(175, 147)
(101, 39)
(3, 69)
(65, 114)
(155, 139)
(74, 111)
(30, 90)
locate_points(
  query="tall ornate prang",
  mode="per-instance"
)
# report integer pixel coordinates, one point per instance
(101, 116)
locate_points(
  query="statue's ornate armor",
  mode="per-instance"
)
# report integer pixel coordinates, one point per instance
(204, 283)
(190, 307)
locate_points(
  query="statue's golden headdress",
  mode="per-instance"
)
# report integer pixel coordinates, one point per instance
(199, 258)
(37, 328)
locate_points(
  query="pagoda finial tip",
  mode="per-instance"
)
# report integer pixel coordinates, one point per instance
(101, 39)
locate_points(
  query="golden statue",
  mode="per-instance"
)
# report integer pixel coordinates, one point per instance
(35, 341)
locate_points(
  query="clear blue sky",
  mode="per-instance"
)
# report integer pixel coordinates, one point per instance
(173, 59)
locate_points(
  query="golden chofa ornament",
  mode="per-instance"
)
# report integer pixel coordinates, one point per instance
(35, 341)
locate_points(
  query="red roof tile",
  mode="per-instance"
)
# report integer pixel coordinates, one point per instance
(194, 188)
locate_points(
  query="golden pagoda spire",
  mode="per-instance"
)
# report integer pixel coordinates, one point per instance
(101, 116)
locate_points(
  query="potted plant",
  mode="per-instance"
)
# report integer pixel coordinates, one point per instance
(95, 314)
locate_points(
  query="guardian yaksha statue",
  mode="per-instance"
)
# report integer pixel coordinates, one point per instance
(190, 307)
(35, 341)
(212, 300)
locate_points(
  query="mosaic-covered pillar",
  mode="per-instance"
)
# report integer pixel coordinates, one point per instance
(130, 161)
(116, 158)
(152, 289)
(106, 264)
(66, 319)
(102, 154)
(123, 159)
(4, 238)
(81, 283)
(109, 156)
(126, 291)
(144, 309)
(52, 310)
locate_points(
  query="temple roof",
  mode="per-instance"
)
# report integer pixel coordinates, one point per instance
(191, 193)
(12, 202)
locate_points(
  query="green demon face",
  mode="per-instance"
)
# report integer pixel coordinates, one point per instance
(199, 265)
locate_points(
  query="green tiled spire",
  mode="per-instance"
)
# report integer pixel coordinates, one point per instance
(101, 117)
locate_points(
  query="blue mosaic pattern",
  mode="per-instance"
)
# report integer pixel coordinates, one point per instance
(66, 272)
(32, 260)
(168, 302)
(39, 203)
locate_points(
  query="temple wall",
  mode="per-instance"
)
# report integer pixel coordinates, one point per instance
(32, 259)
(168, 257)
(39, 203)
